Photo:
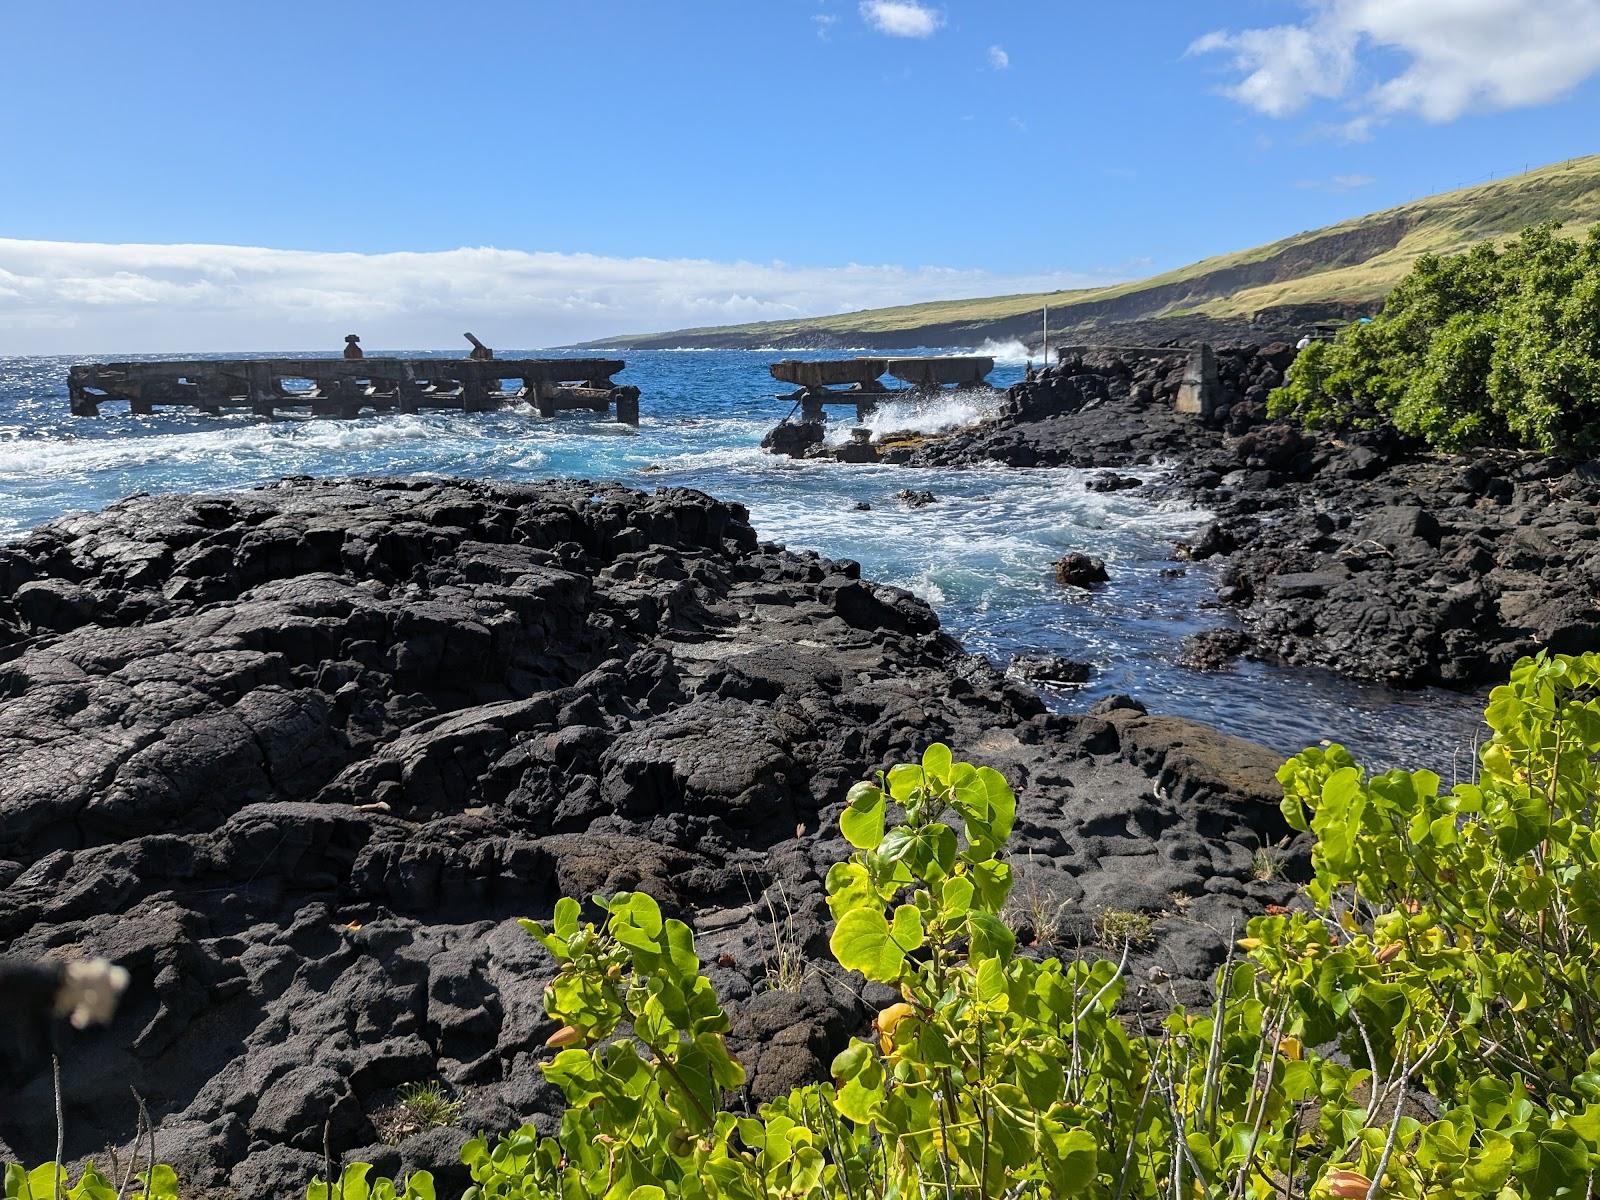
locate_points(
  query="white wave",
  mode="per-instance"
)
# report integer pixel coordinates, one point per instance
(925, 414)
(1009, 354)
(722, 456)
(235, 440)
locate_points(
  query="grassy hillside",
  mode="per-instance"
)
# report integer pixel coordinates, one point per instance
(1349, 265)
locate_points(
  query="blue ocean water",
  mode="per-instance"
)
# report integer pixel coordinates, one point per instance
(982, 554)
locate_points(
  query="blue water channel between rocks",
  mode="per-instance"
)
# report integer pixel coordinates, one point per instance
(982, 554)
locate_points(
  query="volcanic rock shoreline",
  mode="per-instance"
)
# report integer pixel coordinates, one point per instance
(298, 758)
(1364, 554)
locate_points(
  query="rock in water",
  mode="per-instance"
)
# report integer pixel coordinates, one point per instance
(1214, 649)
(1110, 481)
(1079, 570)
(298, 758)
(794, 438)
(1049, 670)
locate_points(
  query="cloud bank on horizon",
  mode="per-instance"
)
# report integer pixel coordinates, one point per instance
(1453, 57)
(81, 297)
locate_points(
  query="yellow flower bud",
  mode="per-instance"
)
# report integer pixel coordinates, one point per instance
(1347, 1185)
(567, 1035)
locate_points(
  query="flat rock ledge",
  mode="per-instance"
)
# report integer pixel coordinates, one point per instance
(298, 758)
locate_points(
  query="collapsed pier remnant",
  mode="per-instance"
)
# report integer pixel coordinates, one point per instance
(859, 381)
(329, 387)
(1197, 393)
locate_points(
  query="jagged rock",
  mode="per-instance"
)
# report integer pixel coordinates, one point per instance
(1079, 570)
(302, 783)
(1110, 481)
(794, 438)
(1048, 670)
(915, 499)
(1214, 649)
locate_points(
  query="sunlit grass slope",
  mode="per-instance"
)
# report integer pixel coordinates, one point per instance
(1353, 262)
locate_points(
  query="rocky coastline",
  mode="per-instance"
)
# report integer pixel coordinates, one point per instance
(298, 758)
(1364, 554)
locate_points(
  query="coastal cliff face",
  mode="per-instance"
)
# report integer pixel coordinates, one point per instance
(298, 758)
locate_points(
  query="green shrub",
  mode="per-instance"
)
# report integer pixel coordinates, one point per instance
(1495, 346)
(353, 1184)
(48, 1182)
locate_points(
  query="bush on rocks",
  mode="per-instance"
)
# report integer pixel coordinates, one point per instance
(1495, 346)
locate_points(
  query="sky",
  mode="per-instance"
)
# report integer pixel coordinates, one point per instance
(221, 176)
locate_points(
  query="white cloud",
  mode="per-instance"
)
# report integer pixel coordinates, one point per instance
(1284, 67)
(1336, 183)
(1449, 57)
(825, 23)
(901, 18)
(77, 297)
(998, 58)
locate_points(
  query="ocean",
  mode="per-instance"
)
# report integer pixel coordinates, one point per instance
(982, 554)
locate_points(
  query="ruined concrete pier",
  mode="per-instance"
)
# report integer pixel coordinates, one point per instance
(335, 387)
(859, 381)
(1197, 393)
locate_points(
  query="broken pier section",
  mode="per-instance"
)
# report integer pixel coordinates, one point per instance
(331, 387)
(859, 381)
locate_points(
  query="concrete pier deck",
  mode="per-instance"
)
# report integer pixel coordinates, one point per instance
(341, 387)
(859, 381)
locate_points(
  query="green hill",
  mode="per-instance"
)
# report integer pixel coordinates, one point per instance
(1338, 270)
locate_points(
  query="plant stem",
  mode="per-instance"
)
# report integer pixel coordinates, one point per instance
(61, 1123)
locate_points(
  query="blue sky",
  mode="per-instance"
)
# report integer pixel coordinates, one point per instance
(763, 156)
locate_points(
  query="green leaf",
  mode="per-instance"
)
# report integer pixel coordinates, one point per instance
(862, 820)
(990, 937)
(1072, 1156)
(850, 886)
(929, 851)
(1489, 1168)
(861, 1098)
(864, 941)
(353, 1182)
(1002, 803)
(993, 883)
(566, 917)
(936, 761)
(955, 897)
(850, 1062)
(904, 781)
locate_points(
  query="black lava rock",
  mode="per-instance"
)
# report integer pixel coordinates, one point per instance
(1079, 570)
(299, 758)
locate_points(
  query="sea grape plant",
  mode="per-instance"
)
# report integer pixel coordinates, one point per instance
(48, 1181)
(992, 1074)
(1454, 937)
(1444, 948)
(355, 1182)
